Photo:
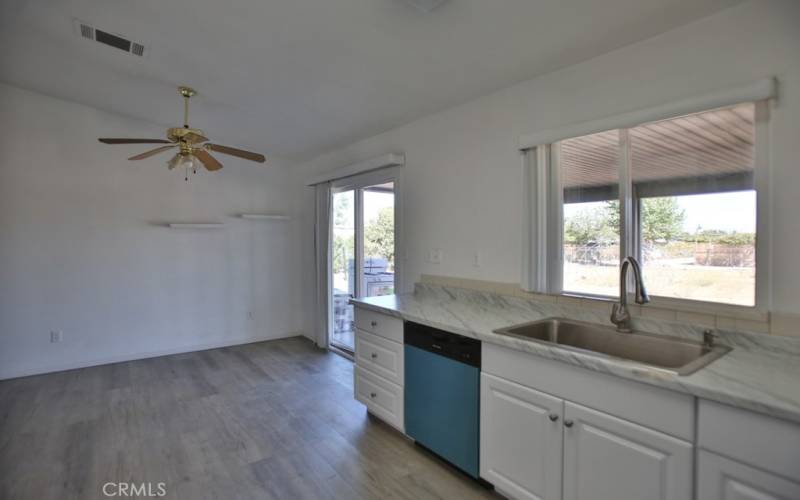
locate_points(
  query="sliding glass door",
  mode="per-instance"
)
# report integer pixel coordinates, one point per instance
(343, 257)
(363, 243)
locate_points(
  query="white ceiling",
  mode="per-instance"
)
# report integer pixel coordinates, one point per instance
(296, 77)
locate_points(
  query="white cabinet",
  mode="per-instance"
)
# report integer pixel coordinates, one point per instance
(379, 358)
(539, 443)
(746, 455)
(382, 325)
(754, 439)
(520, 448)
(383, 399)
(608, 458)
(721, 478)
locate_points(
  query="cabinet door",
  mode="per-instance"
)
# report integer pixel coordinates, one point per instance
(521, 440)
(607, 458)
(720, 478)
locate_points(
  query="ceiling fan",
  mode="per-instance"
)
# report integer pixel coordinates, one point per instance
(193, 148)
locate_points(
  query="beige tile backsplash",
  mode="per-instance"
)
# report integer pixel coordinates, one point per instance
(773, 322)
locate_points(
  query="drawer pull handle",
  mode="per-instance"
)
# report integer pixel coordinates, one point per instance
(553, 417)
(373, 323)
(372, 395)
(568, 423)
(374, 355)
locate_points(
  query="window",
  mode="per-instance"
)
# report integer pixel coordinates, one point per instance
(591, 234)
(677, 194)
(694, 205)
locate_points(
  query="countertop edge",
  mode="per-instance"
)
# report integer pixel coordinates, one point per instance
(682, 384)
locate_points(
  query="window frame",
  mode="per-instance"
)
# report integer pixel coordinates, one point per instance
(546, 244)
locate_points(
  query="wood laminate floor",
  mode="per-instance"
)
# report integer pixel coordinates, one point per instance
(267, 420)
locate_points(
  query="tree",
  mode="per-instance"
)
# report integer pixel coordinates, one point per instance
(343, 250)
(590, 226)
(343, 246)
(721, 237)
(342, 211)
(379, 235)
(662, 219)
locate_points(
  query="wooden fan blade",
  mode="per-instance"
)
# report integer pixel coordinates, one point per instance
(208, 161)
(173, 161)
(106, 140)
(247, 155)
(148, 154)
(193, 138)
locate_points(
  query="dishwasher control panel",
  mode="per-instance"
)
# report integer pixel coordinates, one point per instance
(450, 345)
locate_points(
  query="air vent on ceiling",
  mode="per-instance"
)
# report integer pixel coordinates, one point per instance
(426, 5)
(137, 49)
(87, 31)
(112, 40)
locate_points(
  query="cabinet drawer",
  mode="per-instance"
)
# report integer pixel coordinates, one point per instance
(382, 325)
(381, 356)
(720, 478)
(381, 397)
(759, 440)
(660, 409)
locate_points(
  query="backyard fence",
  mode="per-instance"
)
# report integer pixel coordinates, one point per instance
(714, 254)
(680, 252)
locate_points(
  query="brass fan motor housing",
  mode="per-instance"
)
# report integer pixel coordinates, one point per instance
(176, 134)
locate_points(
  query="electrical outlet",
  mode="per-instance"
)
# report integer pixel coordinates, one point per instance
(435, 256)
(476, 259)
(56, 336)
(250, 315)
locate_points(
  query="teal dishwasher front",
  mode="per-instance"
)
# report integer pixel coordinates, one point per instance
(442, 394)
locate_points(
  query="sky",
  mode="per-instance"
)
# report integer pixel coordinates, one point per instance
(373, 203)
(726, 211)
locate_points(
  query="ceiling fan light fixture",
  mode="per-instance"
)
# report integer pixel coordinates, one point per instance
(186, 161)
(194, 148)
(183, 160)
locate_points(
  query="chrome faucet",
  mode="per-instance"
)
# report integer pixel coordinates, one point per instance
(620, 315)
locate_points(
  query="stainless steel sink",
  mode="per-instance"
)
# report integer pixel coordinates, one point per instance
(673, 354)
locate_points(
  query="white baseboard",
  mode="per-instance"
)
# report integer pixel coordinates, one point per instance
(26, 372)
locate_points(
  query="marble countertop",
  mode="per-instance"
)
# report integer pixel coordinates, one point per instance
(761, 373)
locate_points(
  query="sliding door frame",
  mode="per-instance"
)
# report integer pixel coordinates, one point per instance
(357, 183)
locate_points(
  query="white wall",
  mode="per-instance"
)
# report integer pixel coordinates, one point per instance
(462, 167)
(83, 248)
